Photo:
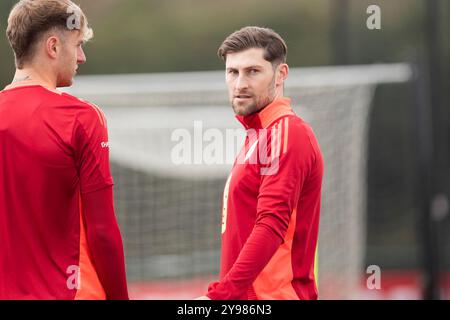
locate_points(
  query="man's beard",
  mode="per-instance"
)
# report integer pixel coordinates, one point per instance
(257, 104)
(252, 108)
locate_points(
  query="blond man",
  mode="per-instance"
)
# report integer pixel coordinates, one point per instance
(59, 237)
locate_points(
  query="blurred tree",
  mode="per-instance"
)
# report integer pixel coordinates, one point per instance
(181, 35)
(6, 56)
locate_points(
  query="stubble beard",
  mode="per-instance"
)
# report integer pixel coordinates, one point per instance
(257, 104)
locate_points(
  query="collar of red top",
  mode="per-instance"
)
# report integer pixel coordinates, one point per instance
(263, 119)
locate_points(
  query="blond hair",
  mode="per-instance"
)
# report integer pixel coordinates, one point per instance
(30, 19)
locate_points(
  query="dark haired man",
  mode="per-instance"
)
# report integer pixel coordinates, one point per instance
(271, 203)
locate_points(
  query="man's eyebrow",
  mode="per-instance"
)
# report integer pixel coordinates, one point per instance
(253, 67)
(246, 68)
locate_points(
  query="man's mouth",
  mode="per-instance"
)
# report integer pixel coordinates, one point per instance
(243, 96)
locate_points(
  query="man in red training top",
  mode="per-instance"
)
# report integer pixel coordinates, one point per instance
(59, 238)
(271, 202)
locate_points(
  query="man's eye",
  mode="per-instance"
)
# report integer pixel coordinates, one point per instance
(254, 71)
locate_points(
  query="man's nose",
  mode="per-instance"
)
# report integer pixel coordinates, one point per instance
(81, 57)
(241, 82)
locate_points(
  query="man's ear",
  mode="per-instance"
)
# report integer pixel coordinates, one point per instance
(52, 46)
(282, 73)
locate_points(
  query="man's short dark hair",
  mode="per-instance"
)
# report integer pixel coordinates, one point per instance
(275, 48)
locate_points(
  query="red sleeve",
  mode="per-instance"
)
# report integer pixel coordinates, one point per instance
(105, 242)
(91, 146)
(103, 236)
(281, 183)
(257, 252)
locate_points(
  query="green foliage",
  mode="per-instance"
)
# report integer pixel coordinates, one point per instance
(180, 35)
(134, 36)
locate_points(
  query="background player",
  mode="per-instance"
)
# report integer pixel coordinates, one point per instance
(59, 237)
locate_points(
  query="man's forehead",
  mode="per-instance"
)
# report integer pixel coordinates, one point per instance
(247, 58)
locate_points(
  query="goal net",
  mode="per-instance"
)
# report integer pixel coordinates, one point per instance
(173, 140)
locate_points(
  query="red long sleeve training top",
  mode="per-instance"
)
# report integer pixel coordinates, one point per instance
(59, 237)
(271, 210)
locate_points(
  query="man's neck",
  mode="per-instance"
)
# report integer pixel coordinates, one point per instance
(31, 76)
(21, 78)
